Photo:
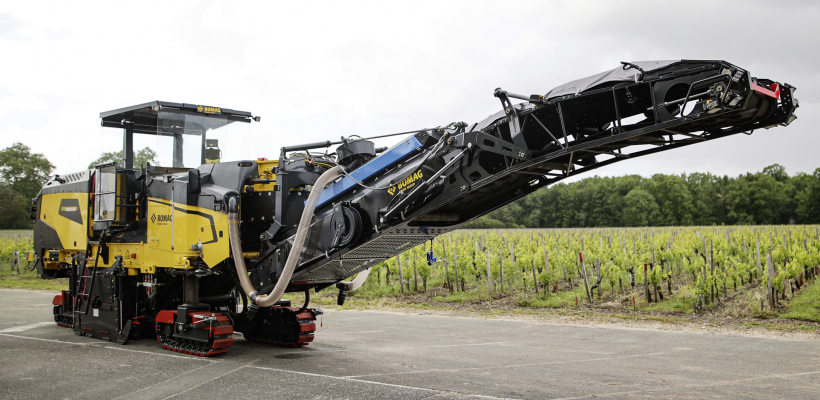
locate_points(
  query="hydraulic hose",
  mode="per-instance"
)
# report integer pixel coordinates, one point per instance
(296, 249)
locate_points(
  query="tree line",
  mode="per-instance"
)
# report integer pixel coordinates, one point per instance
(23, 173)
(769, 197)
(763, 198)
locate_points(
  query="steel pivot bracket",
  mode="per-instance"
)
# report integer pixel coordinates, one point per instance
(515, 123)
(491, 144)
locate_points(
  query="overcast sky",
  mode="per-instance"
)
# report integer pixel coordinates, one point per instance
(325, 70)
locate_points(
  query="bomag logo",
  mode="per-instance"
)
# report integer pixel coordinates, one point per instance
(406, 183)
(161, 219)
(209, 110)
(70, 208)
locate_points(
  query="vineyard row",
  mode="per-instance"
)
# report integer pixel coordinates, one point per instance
(650, 263)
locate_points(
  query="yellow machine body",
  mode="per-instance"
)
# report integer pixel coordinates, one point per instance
(175, 235)
(67, 214)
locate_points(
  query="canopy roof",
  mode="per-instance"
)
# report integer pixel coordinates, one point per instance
(143, 118)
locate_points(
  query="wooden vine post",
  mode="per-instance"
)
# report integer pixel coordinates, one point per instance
(654, 286)
(501, 268)
(703, 272)
(15, 260)
(599, 281)
(584, 269)
(489, 278)
(770, 273)
(415, 277)
(712, 267)
(534, 279)
(512, 266)
(759, 265)
(668, 262)
(806, 273)
(547, 270)
(401, 274)
(646, 283)
(455, 267)
(446, 270)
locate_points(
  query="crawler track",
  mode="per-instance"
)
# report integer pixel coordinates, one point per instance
(282, 326)
(219, 337)
(61, 317)
(62, 320)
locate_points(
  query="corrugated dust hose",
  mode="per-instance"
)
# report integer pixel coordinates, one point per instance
(296, 249)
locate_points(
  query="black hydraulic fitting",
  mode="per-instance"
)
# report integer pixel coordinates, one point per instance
(252, 309)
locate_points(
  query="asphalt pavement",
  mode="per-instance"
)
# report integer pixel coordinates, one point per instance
(375, 355)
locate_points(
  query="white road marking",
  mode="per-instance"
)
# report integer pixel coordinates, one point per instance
(110, 347)
(309, 351)
(697, 386)
(47, 340)
(346, 333)
(212, 379)
(160, 383)
(433, 347)
(614, 394)
(349, 379)
(196, 358)
(505, 366)
(22, 328)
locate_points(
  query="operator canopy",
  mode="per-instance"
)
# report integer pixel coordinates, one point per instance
(193, 131)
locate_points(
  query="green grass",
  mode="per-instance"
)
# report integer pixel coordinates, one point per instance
(806, 305)
(683, 301)
(555, 300)
(19, 233)
(460, 297)
(648, 317)
(28, 279)
(672, 305)
(784, 327)
(25, 279)
(23, 282)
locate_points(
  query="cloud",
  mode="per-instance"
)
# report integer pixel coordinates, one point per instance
(320, 70)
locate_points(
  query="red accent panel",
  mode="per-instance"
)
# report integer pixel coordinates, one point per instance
(58, 299)
(166, 316)
(222, 343)
(223, 330)
(305, 339)
(305, 315)
(772, 91)
(307, 327)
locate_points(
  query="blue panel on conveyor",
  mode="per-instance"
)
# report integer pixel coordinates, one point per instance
(371, 169)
